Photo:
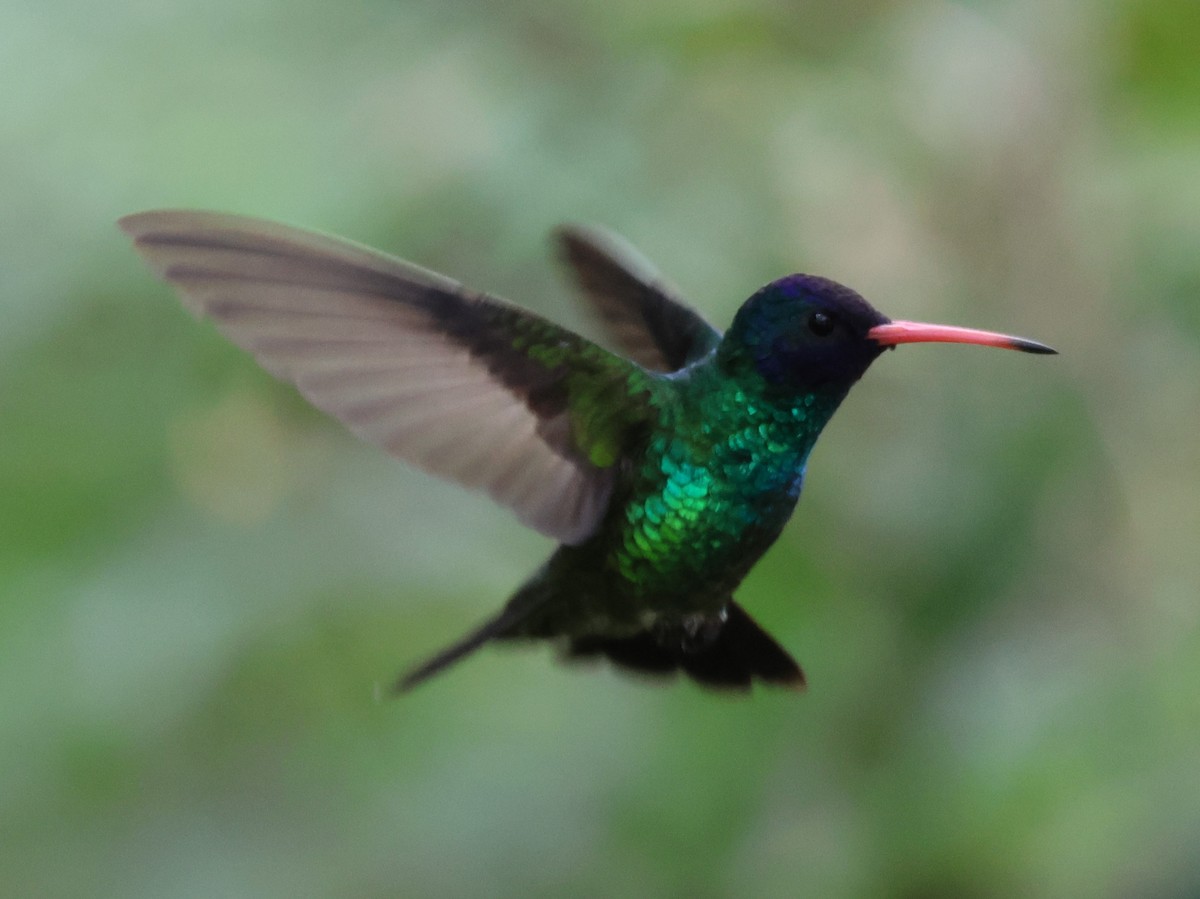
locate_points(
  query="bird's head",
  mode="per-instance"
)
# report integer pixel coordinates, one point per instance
(805, 333)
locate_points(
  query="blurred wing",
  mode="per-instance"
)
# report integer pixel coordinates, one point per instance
(646, 318)
(462, 385)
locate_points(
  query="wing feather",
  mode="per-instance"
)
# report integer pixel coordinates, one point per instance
(644, 315)
(462, 385)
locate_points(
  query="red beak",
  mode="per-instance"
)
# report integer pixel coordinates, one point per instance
(918, 332)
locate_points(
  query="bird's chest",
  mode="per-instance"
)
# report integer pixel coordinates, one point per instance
(703, 510)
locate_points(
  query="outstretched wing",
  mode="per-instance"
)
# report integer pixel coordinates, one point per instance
(460, 384)
(646, 318)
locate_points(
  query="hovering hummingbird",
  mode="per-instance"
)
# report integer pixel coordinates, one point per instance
(664, 473)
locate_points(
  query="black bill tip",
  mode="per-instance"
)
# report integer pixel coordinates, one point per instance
(1025, 345)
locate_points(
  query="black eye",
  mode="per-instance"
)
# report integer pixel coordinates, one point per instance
(820, 323)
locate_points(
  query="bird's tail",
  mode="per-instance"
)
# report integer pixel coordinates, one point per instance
(733, 654)
(516, 612)
(729, 651)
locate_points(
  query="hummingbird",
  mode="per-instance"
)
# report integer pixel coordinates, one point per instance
(664, 471)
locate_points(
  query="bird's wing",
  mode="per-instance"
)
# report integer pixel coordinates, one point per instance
(460, 384)
(650, 323)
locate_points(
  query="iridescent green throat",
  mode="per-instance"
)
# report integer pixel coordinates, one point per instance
(719, 479)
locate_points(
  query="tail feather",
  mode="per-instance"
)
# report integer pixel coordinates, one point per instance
(738, 653)
(510, 618)
(448, 656)
(726, 652)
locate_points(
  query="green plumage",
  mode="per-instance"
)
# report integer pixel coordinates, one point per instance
(714, 481)
(710, 464)
(665, 472)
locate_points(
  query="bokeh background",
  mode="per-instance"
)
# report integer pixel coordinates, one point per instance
(992, 580)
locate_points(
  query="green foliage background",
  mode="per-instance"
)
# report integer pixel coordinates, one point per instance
(992, 580)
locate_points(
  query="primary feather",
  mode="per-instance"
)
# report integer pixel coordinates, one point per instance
(460, 384)
(645, 316)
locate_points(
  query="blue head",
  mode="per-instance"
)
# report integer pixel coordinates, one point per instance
(802, 334)
(806, 334)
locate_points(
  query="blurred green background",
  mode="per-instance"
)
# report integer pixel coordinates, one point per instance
(992, 579)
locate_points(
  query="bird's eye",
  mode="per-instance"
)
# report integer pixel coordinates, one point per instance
(820, 323)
